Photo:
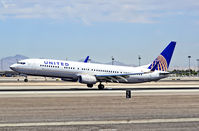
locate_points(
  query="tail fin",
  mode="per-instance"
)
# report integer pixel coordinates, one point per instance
(155, 66)
(86, 60)
(164, 58)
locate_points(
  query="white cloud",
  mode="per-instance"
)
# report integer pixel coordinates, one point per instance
(89, 11)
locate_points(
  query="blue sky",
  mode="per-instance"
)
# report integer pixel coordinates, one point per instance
(100, 28)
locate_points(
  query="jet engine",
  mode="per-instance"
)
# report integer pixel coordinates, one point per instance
(69, 79)
(87, 79)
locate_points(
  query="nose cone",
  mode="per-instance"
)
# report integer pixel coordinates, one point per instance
(13, 67)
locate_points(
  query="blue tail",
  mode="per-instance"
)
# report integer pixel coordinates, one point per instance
(86, 60)
(164, 58)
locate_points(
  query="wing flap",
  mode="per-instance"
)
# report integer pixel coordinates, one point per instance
(115, 77)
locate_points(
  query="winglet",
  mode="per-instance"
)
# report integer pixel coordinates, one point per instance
(86, 60)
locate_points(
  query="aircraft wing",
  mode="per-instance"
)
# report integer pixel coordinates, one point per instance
(116, 77)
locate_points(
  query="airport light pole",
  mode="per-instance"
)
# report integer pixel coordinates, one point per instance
(189, 57)
(89, 60)
(112, 60)
(198, 66)
(139, 58)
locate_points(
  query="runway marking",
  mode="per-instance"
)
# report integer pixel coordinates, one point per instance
(76, 123)
(8, 94)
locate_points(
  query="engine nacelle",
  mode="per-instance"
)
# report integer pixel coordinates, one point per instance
(87, 79)
(69, 79)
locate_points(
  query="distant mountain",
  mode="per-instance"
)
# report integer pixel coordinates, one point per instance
(7, 61)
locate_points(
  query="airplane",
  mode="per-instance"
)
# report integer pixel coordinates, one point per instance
(92, 73)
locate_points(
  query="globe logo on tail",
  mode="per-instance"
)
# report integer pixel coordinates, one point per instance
(162, 66)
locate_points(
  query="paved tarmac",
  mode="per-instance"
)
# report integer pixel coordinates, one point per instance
(161, 107)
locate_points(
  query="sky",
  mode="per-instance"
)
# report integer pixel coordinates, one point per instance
(73, 29)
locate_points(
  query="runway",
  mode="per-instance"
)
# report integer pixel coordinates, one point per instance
(109, 122)
(161, 107)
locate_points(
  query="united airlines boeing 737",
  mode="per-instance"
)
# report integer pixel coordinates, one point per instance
(90, 73)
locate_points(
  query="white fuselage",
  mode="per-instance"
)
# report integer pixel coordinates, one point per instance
(70, 71)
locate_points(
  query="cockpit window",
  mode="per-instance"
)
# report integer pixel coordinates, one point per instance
(22, 63)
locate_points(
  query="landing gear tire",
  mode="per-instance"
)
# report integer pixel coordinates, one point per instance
(26, 80)
(100, 87)
(90, 85)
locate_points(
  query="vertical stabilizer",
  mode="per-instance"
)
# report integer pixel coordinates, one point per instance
(164, 58)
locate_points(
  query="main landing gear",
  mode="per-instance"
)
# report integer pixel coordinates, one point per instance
(100, 86)
(26, 79)
(90, 85)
